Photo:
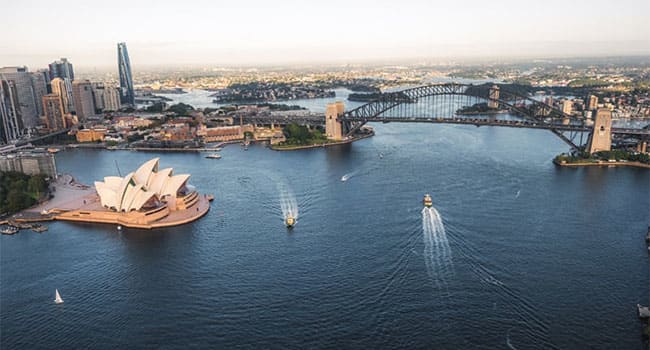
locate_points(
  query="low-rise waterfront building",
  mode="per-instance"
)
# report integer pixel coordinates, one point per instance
(29, 162)
(91, 135)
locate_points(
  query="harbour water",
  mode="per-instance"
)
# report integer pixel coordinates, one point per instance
(516, 254)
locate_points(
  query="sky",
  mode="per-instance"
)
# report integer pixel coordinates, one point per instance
(258, 32)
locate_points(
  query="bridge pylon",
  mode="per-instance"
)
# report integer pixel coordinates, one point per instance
(493, 102)
(333, 126)
(601, 135)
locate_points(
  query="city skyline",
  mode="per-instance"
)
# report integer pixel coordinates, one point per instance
(289, 32)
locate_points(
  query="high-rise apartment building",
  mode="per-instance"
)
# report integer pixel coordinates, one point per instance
(107, 98)
(11, 125)
(111, 99)
(98, 94)
(26, 93)
(60, 88)
(84, 103)
(53, 112)
(61, 69)
(127, 93)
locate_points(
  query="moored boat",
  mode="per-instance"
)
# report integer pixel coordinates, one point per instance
(39, 228)
(9, 230)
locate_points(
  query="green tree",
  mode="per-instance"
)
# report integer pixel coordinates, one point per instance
(36, 186)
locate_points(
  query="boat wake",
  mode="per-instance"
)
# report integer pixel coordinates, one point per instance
(347, 176)
(288, 204)
(437, 252)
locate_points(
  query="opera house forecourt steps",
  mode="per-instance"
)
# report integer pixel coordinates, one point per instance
(147, 198)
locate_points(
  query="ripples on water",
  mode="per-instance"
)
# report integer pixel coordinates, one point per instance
(515, 254)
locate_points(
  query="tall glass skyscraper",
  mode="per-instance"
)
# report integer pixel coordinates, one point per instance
(127, 95)
(61, 69)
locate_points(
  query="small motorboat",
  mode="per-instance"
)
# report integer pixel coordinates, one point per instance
(427, 201)
(345, 178)
(57, 297)
(290, 221)
(214, 156)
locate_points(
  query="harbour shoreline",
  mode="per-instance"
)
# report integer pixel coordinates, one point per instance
(323, 145)
(603, 164)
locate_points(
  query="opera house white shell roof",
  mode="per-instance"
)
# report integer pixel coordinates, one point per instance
(138, 188)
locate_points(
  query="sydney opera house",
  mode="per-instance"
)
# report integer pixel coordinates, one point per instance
(146, 198)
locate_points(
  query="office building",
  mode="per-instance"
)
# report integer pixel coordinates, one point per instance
(45, 73)
(61, 69)
(26, 94)
(11, 126)
(53, 112)
(127, 93)
(39, 84)
(84, 102)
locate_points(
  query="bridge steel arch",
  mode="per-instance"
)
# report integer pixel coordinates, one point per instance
(536, 114)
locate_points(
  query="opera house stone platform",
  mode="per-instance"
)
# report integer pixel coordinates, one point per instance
(147, 198)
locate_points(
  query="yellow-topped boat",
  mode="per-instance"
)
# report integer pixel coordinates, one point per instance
(290, 221)
(427, 201)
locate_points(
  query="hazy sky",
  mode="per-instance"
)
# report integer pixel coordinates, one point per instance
(35, 32)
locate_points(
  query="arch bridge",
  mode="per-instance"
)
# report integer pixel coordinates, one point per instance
(488, 104)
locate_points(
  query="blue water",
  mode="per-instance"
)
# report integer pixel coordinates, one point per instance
(532, 256)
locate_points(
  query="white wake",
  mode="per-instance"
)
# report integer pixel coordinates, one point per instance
(437, 252)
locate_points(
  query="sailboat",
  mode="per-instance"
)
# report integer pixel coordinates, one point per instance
(58, 299)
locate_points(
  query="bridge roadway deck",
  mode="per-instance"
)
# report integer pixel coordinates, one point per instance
(495, 122)
(320, 120)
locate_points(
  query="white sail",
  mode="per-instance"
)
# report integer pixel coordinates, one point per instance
(58, 299)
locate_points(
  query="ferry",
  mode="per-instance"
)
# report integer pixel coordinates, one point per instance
(427, 201)
(290, 221)
(214, 156)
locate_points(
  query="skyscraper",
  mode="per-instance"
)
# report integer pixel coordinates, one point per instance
(84, 102)
(39, 84)
(53, 111)
(127, 95)
(26, 93)
(11, 125)
(60, 88)
(61, 69)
